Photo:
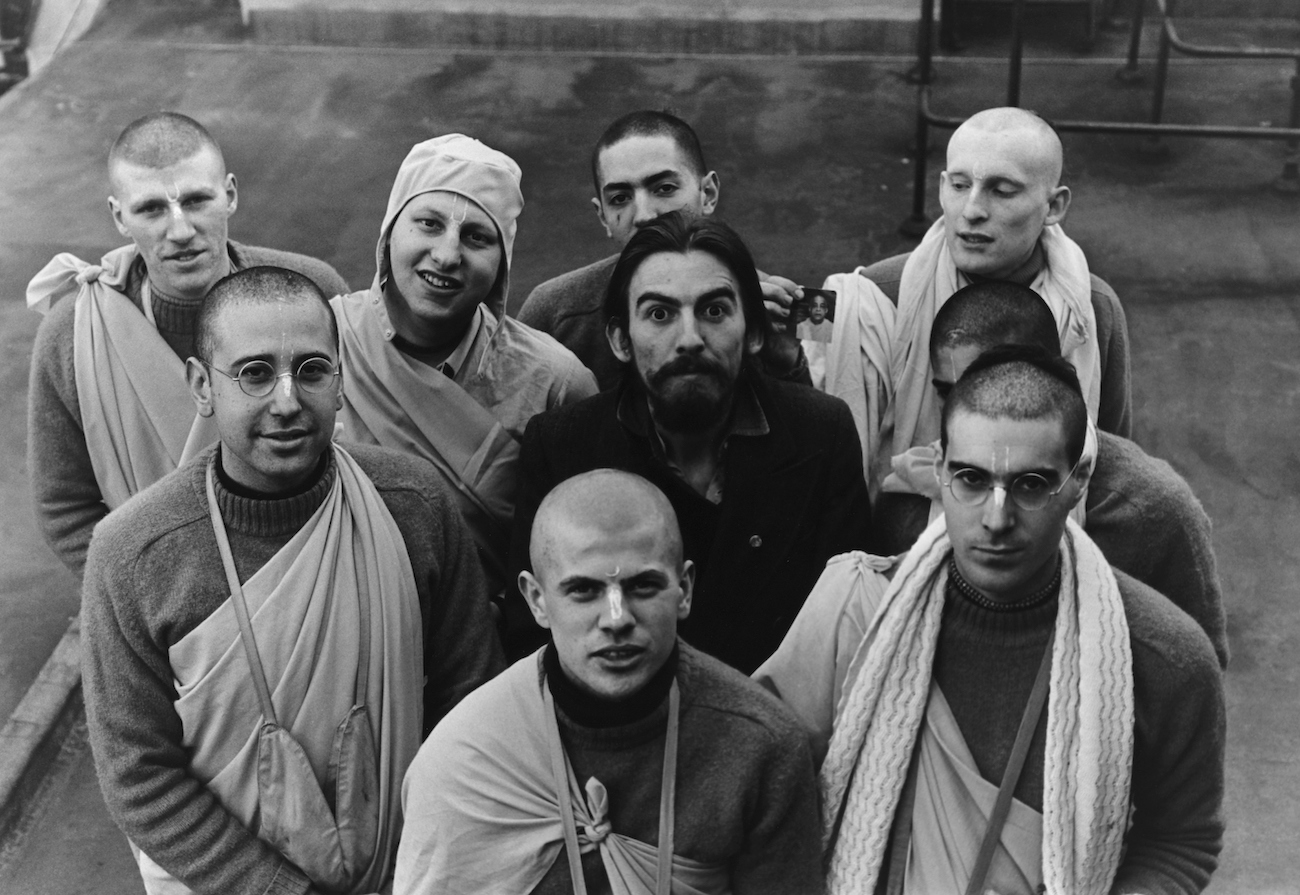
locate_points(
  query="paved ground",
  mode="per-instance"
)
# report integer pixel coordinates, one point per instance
(812, 157)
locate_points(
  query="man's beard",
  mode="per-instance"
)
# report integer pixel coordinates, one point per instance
(689, 406)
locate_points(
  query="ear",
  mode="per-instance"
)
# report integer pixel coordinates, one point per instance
(531, 588)
(1058, 203)
(687, 584)
(600, 216)
(232, 194)
(338, 398)
(755, 336)
(710, 192)
(619, 342)
(115, 209)
(1079, 483)
(200, 382)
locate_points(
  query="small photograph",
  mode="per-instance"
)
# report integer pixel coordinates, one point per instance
(815, 314)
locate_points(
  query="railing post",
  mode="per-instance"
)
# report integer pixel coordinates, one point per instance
(917, 223)
(1153, 146)
(1130, 73)
(1289, 181)
(1017, 51)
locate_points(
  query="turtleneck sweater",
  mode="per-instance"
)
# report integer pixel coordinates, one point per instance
(154, 574)
(985, 664)
(745, 790)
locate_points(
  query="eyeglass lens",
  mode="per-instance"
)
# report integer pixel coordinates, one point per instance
(257, 378)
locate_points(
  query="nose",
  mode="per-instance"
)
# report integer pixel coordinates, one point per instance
(689, 339)
(179, 228)
(285, 400)
(999, 514)
(615, 616)
(645, 208)
(446, 249)
(975, 207)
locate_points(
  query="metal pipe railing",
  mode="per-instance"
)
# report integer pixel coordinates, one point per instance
(917, 222)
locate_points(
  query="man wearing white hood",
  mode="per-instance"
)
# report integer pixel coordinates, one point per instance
(434, 366)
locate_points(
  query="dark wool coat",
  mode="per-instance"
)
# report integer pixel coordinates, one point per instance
(792, 499)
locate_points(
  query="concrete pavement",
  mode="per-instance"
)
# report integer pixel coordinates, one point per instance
(812, 157)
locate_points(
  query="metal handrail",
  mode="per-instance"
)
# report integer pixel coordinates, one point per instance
(917, 222)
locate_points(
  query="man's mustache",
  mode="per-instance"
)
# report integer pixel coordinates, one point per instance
(687, 365)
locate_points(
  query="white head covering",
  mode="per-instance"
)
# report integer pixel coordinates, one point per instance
(455, 163)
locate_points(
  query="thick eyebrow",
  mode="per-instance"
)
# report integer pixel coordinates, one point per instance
(197, 193)
(296, 362)
(1046, 472)
(719, 292)
(648, 181)
(650, 577)
(579, 582)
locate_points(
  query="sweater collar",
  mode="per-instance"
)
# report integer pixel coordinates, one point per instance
(261, 515)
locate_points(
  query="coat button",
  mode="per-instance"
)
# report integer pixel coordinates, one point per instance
(755, 541)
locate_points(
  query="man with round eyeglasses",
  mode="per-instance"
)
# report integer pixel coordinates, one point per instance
(1002, 711)
(270, 630)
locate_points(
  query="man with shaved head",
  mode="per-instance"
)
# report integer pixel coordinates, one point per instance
(1138, 509)
(1006, 712)
(109, 412)
(270, 629)
(617, 759)
(1003, 203)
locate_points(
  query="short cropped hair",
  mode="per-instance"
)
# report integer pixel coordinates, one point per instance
(995, 312)
(251, 287)
(649, 123)
(1021, 383)
(679, 232)
(161, 139)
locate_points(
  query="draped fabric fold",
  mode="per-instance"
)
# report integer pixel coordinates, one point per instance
(1089, 721)
(496, 795)
(857, 361)
(952, 810)
(305, 606)
(392, 399)
(139, 419)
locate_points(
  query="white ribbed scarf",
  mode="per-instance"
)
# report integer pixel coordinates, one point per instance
(1089, 721)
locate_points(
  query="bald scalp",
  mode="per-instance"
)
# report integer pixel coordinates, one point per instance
(995, 312)
(160, 140)
(602, 500)
(255, 286)
(1027, 130)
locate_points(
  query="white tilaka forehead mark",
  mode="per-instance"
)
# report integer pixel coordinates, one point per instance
(615, 596)
(173, 193)
(459, 208)
(614, 593)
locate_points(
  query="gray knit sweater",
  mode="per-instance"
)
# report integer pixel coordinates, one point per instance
(154, 573)
(67, 497)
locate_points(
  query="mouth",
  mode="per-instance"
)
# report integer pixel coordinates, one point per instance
(617, 657)
(997, 556)
(184, 257)
(439, 282)
(287, 438)
(974, 240)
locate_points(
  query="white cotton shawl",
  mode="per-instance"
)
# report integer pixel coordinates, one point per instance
(930, 277)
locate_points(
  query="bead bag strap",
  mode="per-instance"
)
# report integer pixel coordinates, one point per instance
(1028, 724)
(667, 795)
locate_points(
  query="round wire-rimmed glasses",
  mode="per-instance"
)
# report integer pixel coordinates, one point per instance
(1030, 491)
(257, 378)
